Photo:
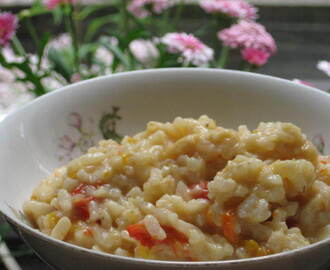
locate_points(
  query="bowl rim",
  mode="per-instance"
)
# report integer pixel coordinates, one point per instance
(246, 74)
(75, 87)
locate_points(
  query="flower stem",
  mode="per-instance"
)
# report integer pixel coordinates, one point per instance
(164, 23)
(124, 17)
(223, 60)
(35, 38)
(178, 14)
(71, 28)
(17, 46)
(32, 31)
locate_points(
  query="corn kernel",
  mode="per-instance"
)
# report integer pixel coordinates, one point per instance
(52, 218)
(130, 140)
(254, 249)
(143, 252)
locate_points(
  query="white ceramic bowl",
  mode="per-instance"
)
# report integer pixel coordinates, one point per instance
(43, 135)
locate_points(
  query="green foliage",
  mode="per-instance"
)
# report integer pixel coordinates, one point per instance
(80, 59)
(98, 23)
(62, 62)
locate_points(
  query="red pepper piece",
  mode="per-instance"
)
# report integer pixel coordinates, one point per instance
(140, 233)
(81, 208)
(200, 190)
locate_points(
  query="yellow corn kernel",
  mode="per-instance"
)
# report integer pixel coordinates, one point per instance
(107, 173)
(130, 140)
(52, 219)
(254, 249)
(143, 252)
(124, 157)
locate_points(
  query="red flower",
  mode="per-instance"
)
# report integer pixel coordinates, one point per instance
(255, 56)
(8, 26)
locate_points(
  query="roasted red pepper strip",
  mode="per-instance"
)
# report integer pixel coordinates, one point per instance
(81, 208)
(140, 233)
(80, 189)
(200, 190)
(173, 235)
(228, 226)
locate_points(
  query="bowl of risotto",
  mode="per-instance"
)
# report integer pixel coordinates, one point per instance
(171, 169)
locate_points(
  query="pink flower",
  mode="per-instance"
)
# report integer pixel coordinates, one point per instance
(303, 82)
(144, 51)
(247, 34)
(75, 120)
(233, 8)
(51, 4)
(192, 50)
(324, 66)
(139, 8)
(255, 56)
(8, 26)
(76, 77)
(66, 143)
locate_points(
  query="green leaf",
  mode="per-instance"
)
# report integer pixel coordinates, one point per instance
(89, 10)
(60, 64)
(141, 23)
(115, 65)
(37, 9)
(42, 45)
(117, 52)
(97, 23)
(87, 49)
(138, 34)
(57, 15)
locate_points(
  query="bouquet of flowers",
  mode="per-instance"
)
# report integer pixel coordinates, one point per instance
(134, 34)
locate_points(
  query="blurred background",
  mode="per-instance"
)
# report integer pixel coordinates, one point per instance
(300, 28)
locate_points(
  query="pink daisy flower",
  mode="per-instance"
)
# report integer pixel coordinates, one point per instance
(324, 66)
(233, 8)
(192, 50)
(255, 56)
(247, 34)
(51, 4)
(139, 8)
(8, 26)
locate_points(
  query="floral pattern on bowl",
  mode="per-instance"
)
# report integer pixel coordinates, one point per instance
(85, 132)
(319, 142)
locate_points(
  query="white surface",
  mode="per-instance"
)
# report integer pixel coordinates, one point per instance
(28, 141)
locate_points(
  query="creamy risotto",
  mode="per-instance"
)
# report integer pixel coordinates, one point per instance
(190, 191)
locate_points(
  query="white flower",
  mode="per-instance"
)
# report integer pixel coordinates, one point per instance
(104, 56)
(12, 96)
(61, 42)
(324, 66)
(144, 51)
